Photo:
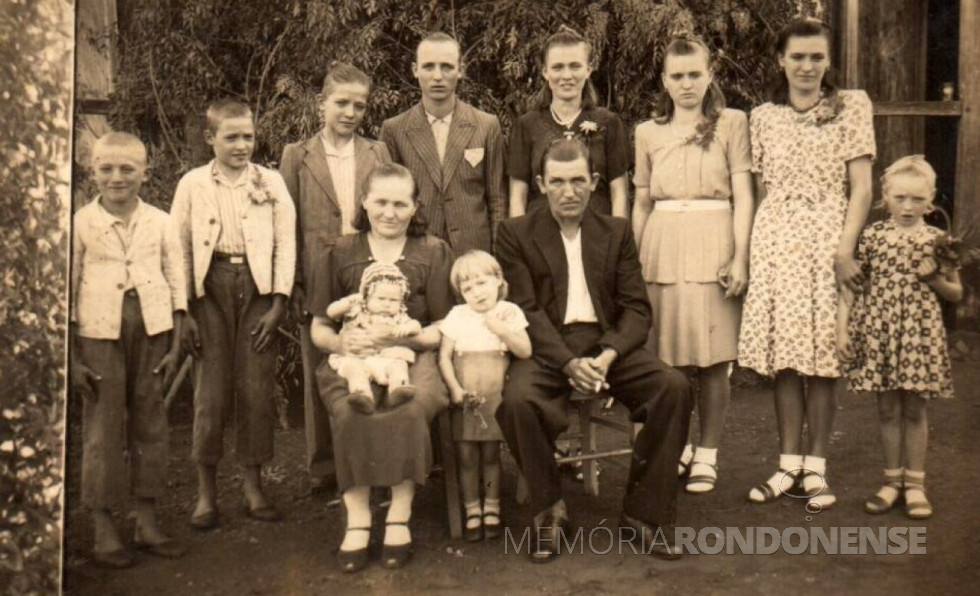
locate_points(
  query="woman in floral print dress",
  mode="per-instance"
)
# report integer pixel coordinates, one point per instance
(812, 149)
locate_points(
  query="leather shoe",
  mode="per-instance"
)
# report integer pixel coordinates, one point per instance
(361, 402)
(352, 561)
(266, 513)
(654, 544)
(319, 486)
(396, 556)
(473, 533)
(546, 542)
(323, 488)
(168, 549)
(400, 395)
(205, 521)
(114, 559)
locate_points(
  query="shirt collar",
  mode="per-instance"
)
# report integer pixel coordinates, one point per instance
(344, 152)
(219, 177)
(448, 118)
(108, 219)
(574, 240)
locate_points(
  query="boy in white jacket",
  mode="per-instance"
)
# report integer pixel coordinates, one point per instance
(237, 226)
(128, 301)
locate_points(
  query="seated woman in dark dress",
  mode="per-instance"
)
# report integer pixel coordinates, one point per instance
(392, 446)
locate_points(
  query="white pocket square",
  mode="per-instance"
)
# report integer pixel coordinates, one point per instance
(474, 156)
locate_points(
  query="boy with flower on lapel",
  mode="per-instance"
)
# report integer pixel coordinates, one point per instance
(237, 227)
(454, 151)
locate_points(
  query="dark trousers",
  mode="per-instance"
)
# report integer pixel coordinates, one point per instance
(124, 430)
(535, 411)
(231, 379)
(319, 443)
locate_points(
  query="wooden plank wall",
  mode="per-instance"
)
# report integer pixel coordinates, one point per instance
(94, 20)
(892, 68)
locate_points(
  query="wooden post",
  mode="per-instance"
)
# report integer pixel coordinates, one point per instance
(966, 205)
(95, 21)
(852, 35)
(892, 67)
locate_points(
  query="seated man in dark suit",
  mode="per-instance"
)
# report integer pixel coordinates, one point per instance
(577, 276)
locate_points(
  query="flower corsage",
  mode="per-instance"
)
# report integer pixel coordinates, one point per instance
(259, 191)
(704, 132)
(828, 108)
(586, 129)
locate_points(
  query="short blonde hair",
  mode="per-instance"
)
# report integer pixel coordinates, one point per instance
(224, 109)
(123, 140)
(910, 165)
(474, 263)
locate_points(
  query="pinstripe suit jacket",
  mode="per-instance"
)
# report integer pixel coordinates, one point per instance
(304, 168)
(462, 198)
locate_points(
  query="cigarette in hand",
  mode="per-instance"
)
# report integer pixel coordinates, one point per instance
(597, 387)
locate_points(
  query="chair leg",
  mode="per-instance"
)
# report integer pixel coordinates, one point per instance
(450, 475)
(590, 467)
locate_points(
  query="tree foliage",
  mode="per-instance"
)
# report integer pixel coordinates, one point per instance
(176, 56)
(35, 62)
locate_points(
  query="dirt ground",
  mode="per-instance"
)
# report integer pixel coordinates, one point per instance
(297, 556)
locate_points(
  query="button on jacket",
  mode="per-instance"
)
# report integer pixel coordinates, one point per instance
(268, 225)
(104, 265)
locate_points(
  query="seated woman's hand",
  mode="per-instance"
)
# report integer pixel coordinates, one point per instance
(358, 342)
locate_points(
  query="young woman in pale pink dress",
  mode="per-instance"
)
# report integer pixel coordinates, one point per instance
(812, 149)
(691, 219)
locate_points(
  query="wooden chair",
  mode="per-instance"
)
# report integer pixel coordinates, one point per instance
(582, 442)
(450, 471)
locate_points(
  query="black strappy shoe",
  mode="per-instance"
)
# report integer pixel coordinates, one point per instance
(352, 561)
(395, 557)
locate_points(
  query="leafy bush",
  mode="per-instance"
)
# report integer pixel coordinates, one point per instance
(35, 62)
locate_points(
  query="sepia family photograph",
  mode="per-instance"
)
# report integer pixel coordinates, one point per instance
(489, 296)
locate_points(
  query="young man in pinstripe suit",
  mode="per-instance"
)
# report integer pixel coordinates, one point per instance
(454, 151)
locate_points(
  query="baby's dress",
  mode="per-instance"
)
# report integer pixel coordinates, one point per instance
(896, 324)
(480, 359)
(358, 317)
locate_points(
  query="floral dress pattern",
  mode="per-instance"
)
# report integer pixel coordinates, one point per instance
(896, 324)
(789, 316)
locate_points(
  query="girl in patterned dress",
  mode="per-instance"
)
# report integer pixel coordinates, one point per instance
(691, 221)
(476, 338)
(895, 344)
(812, 148)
